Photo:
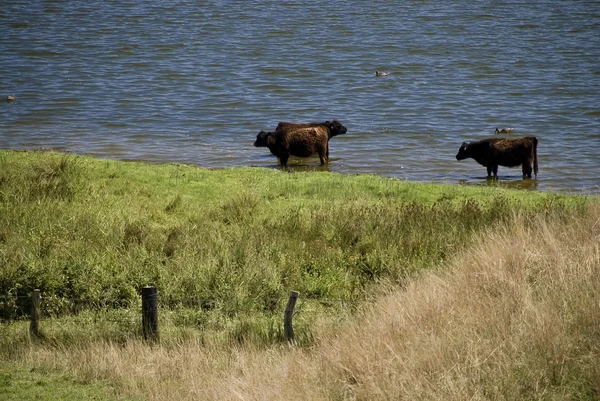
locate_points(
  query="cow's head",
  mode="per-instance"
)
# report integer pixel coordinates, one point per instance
(264, 139)
(463, 152)
(335, 128)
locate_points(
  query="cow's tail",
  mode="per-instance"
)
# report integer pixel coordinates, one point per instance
(535, 161)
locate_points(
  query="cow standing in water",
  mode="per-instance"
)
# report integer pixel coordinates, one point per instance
(302, 140)
(507, 152)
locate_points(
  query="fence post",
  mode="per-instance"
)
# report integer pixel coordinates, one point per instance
(150, 312)
(34, 327)
(288, 330)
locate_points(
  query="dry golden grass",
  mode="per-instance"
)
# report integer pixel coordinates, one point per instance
(516, 316)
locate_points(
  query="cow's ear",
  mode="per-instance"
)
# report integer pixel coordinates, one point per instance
(270, 139)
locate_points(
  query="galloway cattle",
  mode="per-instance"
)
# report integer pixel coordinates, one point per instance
(300, 141)
(267, 140)
(334, 127)
(507, 152)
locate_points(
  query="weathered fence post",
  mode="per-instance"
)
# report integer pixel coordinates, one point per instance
(288, 330)
(150, 312)
(34, 327)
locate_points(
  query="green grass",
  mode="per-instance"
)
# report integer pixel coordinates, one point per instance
(224, 247)
(236, 240)
(21, 384)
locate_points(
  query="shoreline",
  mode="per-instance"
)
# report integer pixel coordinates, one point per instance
(308, 165)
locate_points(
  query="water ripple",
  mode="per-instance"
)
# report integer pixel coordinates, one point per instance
(194, 83)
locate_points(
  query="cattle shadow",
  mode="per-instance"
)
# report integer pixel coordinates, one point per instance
(502, 181)
(296, 164)
(301, 167)
(529, 184)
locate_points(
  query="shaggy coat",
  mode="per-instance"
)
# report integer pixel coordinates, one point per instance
(266, 139)
(300, 141)
(507, 152)
(335, 127)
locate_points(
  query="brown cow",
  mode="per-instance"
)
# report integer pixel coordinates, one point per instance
(300, 140)
(334, 128)
(338, 128)
(508, 152)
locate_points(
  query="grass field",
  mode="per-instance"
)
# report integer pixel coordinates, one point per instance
(18, 383)
(357, 248)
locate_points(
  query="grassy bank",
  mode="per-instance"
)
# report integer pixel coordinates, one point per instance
(513, 316)
(236, 241)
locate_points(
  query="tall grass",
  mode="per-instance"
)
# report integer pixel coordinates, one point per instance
(235, 240)
(514, 315)
(479, 293)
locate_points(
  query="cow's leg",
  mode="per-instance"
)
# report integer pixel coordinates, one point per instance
(526, 170)
(284, 159)
(323, 158)
(323, 155)
(495, 168)
(489, 171)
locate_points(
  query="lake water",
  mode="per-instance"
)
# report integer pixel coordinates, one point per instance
(195, 81)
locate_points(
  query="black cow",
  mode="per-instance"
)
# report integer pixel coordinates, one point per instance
(301, 140)
(507, 152)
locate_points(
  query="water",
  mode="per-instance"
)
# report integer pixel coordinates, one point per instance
(194, 82)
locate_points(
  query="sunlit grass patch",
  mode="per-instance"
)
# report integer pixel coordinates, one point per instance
(22, 384)
(76, 227)
(225, 247)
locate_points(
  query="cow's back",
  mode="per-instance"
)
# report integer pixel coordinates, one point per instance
(287, 126)
(304, 142)
(511, 152)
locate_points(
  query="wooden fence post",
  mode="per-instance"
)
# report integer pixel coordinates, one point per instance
(288, 330)
(34, 327)
(150, 312)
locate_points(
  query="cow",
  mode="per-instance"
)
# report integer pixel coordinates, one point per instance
(266, 139)
(507, 152)
(335, 127)
(301, 140)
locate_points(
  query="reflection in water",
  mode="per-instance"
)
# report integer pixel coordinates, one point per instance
(502, 182)
(296, 164)
(531, 184)
(308, 168)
